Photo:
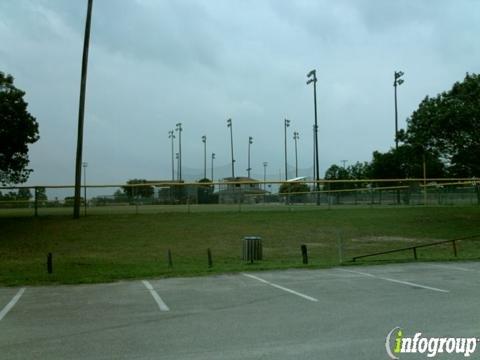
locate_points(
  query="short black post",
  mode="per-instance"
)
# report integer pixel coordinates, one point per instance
(304, 254)
(49, 263)
(415, 253)
(169, 258)
(454, 248)
(209, 255)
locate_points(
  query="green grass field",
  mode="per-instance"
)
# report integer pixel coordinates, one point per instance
(108, 247)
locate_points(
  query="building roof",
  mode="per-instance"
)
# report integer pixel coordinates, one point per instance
(240, 179)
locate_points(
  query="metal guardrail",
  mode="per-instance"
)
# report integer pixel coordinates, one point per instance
(414, 248)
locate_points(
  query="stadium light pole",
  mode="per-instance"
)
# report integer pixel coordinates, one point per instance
(81, 113)
(213, 158)
(343, 162)
(314, 157)
(295, 138)
(85, 164)
(250, 142)
(397, 81)
(286, 125)
(171, 135)
(265, 164)
(230, 125)
(179, 129)
(177, 156)
(312, 75)
(204, 140)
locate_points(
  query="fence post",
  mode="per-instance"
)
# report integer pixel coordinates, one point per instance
(415, 253)
(169, 258)
(304, 254)
(340, 246)
(49, 263)
(477, 189)
(454, 248)
(35, 204)
(209, 256)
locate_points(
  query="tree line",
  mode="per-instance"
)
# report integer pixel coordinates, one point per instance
(443, 135)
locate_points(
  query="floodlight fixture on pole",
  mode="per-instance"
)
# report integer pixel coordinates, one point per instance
(312, 75)
(230, 125)
(85, 165)
(213, 158)
(81, 113)
(250, 142)
(295, 138)
(343, 162)
(397, 81)
(286, 125)
(179, 129)
(171, 135)
(204, 140)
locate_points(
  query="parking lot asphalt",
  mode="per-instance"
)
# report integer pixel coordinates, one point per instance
(338, 313)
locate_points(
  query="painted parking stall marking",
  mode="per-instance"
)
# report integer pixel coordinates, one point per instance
(396, 281)
(161, 304)
(453, 267)
(281, 287)
(12, 303)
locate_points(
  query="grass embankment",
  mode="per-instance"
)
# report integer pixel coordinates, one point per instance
(101, 248)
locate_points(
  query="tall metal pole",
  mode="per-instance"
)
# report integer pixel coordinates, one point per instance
(213, 158)
(179, 129)
(314, 157)
(171, 135)
(204, 140)
(295, 138)
(81, 113)
(230, 125)
(396, 81)
(265, 175)
(177, 156)
(250, 142)
(396, 116)
(313, 78)
(286, 124)
(85, 185)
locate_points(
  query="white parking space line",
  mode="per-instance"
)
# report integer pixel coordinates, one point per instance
(452, 267)
(281, 287)
(396, 281)
(11, 304)
(161, 305)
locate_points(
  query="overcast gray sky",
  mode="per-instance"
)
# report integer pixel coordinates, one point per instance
(154, 63)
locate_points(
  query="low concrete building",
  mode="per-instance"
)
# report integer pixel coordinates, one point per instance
(240, 190)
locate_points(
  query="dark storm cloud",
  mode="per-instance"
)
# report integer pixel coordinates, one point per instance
(155, 63)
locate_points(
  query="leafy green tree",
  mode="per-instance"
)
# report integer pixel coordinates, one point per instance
(144, 192)
(24, 194)
(297, 189)
(294, 187)
(17, 129)
(205, 191)
(41, 194)
(336, 172)
(449, 125)
(405, 162)
(120, 196)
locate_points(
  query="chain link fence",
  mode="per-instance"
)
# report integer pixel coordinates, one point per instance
(237, 195)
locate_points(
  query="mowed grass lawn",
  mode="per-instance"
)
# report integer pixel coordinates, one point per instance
(100, 248)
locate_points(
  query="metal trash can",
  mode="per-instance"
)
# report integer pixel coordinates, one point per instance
(252, 248)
